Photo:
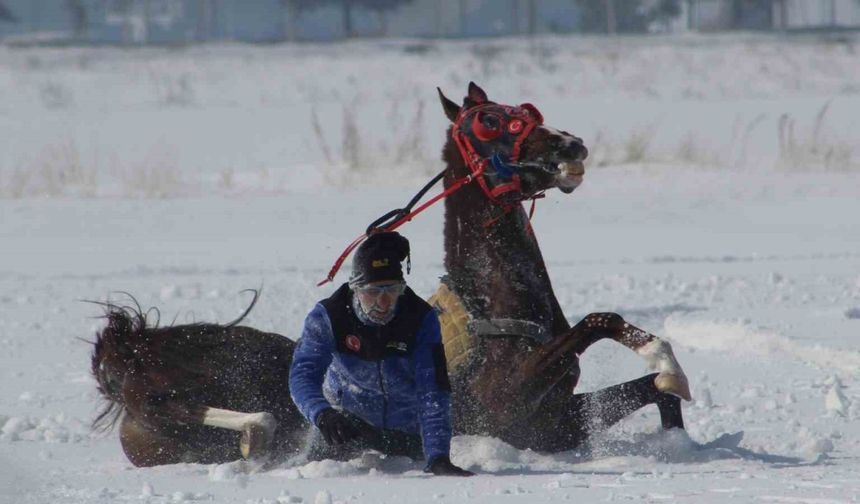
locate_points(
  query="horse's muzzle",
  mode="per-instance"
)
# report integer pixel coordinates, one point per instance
(570, 174)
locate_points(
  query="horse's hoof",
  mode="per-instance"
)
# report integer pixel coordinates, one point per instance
(675, 384)
(256, 440)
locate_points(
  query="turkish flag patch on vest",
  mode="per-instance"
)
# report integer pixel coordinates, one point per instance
(353, 342)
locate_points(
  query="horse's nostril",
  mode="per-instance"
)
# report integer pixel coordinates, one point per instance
(576, 151)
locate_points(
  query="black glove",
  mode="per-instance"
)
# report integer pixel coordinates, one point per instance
(335, 427)
(442, 466)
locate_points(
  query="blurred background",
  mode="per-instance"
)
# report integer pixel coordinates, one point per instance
(143, 22)
(164, 98)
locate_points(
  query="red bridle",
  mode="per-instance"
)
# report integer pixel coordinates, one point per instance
(514, 121)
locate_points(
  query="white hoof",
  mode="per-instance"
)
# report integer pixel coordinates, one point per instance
(257, 436)
(675, 384)
(671, 380)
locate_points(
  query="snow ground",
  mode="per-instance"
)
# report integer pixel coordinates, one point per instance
(753, 273)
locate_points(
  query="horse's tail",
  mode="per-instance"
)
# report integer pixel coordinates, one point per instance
(127, 345)
(114, 356)
(250, 307)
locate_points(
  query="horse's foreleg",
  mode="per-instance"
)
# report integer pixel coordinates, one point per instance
(510, 390)
(656, 352)
(565, 421)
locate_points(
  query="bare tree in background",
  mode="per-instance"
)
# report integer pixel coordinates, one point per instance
(755, 14)
(291, 11)
(119, 12)
(783, 14)
(381, 8)
(205, 17)
(611, 20)
(626, 16)
(346, 16)
(532, 9)
(79, 17)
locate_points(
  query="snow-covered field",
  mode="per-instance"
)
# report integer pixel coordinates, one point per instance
(697, 221)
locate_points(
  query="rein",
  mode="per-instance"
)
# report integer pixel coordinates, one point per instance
(398, 217)
(523, 120)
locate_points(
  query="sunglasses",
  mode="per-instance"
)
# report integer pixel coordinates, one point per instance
(378, 290)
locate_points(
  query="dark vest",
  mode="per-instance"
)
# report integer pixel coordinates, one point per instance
(374, 343)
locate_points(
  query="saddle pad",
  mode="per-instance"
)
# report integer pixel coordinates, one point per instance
(454, 320)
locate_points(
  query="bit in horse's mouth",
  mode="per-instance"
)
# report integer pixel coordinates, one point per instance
(571, 168)
(570, 175)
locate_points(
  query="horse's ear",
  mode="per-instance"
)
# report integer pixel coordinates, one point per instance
(451, 108)
(476, 94)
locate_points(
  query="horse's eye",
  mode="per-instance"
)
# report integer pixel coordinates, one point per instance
(487, 127)
(491, 121)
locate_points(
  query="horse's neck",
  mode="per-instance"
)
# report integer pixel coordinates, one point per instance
(497, 269)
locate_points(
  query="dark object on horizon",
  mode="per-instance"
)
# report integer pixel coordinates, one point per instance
(79, 17)
(6, 14)
(625, 16)
(294, 7)
(379, 6)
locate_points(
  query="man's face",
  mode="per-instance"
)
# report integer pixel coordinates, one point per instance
(379, 299)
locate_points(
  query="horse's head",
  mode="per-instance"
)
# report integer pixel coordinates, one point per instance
(514, 154)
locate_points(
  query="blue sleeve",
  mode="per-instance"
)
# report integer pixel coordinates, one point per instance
(311, 360)
(433, 389)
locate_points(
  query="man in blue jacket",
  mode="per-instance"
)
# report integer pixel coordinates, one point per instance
(369, 370)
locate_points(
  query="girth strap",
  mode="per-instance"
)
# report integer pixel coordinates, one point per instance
(461, 333)
(509, 327)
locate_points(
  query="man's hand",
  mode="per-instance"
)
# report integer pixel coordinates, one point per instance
(442, 466)
(335, 427)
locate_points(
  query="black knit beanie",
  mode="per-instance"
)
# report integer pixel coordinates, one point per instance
(379, 257)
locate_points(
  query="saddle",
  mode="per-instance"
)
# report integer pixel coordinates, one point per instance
(461, 332)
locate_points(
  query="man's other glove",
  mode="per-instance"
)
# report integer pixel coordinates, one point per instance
(442, 466)
(335, 427)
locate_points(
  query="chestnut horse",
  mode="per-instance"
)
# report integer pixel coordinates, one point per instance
(513, 357)
(214, 393)
(207, 393)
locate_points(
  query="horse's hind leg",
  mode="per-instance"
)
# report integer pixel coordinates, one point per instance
(146, 445)
(258, 429)
(657, 353)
